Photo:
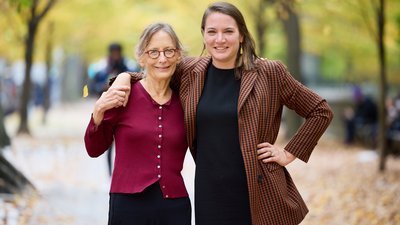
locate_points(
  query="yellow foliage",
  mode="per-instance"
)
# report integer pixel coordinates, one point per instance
(87, 27)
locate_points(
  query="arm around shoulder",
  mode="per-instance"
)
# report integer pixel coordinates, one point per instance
(126, 78)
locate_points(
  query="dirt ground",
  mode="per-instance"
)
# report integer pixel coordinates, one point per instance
(341, 185)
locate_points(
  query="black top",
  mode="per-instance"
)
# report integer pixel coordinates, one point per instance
(221, 194)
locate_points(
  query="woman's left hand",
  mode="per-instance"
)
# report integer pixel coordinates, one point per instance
(270, 153)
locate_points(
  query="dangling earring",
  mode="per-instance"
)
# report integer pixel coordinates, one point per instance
(240, 49)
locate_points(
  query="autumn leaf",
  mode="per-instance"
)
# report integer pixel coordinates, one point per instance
(85, 91)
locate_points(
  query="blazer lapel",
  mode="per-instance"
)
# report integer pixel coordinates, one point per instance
(198, 73)
(246, 85)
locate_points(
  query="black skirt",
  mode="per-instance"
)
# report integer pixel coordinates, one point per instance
(148, 208)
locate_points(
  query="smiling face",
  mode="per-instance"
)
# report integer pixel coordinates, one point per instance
(222, 39)
(160, 68)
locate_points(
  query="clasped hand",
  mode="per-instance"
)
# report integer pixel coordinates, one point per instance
(114, 97)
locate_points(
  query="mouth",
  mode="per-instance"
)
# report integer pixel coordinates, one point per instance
(163, 67)
(220, 48)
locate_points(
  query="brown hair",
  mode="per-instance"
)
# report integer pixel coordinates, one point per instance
(246, 60)
(148, 33)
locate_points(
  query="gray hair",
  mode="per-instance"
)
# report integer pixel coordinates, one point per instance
(148, 33)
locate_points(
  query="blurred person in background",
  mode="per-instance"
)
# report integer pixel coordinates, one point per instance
(233, 102)
(393, 134)
(115, 64)
(147, 186)
(362, 120)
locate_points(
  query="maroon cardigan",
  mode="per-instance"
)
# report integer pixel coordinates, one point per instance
(150, 144)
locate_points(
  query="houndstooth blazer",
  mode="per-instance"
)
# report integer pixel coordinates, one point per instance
(274, 198)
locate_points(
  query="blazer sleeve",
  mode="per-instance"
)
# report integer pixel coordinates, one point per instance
(309, 105)
(99, 138)
(135, 76)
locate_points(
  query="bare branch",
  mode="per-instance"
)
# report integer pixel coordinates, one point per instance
(33, 9)
(50, 4)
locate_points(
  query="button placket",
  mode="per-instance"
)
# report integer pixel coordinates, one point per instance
(159, 139)
(159, 147)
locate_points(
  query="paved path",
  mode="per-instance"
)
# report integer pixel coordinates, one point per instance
(73, 187)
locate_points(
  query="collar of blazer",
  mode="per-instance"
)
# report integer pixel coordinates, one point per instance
(246, 85)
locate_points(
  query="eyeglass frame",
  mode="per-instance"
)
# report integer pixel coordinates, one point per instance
(174, 50)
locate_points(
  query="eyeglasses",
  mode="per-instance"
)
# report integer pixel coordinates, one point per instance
(168, 53)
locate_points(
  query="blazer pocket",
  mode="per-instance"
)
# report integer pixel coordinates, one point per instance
(272, 166)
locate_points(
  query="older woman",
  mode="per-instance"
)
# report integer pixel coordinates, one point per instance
(147, 186)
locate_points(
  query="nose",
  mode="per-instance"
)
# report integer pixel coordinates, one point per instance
(220, 37)
(162, 57)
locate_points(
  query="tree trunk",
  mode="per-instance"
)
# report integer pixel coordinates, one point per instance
(382, 130)
(261, 26)
(4, 138)
(32, 23)
(46, 88)
(27, 85)
(291, 26)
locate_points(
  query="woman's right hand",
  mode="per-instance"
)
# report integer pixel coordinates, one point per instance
(123, 80)
(114, 97)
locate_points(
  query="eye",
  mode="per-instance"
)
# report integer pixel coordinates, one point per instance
(169, 52)
(152, 52)
(211, 32)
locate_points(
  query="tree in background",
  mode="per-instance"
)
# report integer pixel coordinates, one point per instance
(4, 138)
(32, 12)
(288, 15)
(379, 9)
(261, 23)
(376, 27)
(291, 25)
